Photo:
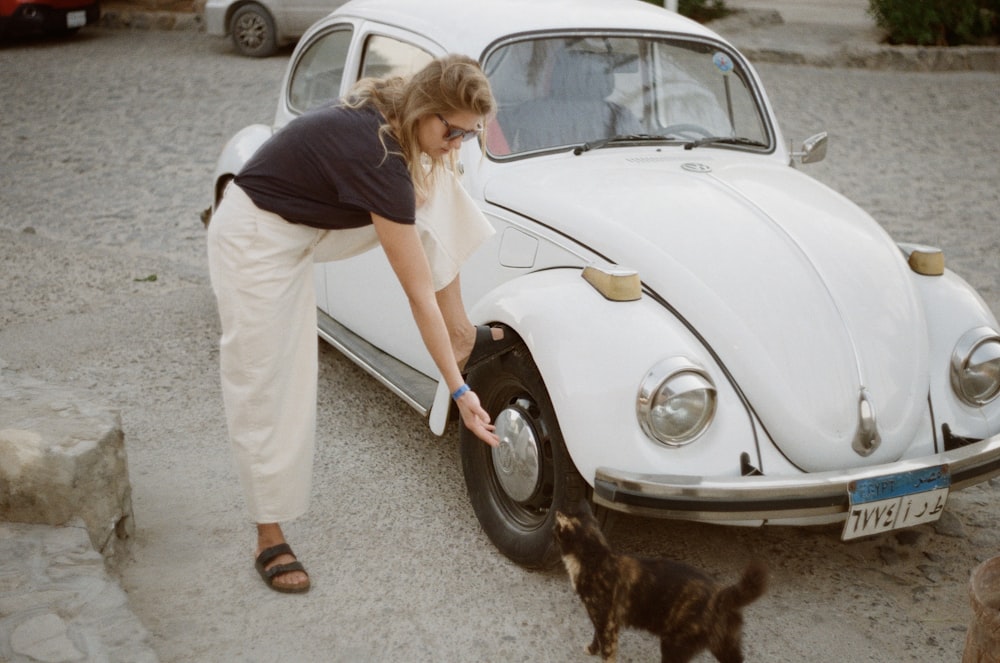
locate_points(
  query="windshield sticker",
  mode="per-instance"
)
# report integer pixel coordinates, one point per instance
(723, 62)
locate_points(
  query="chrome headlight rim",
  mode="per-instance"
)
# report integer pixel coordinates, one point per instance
(979, 341)
(673, 378)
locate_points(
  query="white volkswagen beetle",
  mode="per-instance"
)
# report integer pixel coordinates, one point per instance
(708, 333)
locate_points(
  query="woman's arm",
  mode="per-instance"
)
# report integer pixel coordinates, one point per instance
(402, 247)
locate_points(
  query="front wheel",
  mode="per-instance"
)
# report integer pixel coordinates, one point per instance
(516, 487)
(253, 31)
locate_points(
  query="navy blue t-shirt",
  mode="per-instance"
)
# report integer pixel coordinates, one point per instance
(328, 169)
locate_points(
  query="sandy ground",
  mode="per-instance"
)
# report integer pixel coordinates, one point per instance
(108, 144)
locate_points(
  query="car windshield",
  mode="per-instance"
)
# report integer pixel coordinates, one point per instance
(592, 91)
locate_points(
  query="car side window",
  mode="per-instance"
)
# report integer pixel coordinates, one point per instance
(320, 70)
(385, 56)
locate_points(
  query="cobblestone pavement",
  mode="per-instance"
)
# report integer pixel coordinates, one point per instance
(109, 139)
(59, 603)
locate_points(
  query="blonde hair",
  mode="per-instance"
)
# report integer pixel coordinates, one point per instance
(453, 83)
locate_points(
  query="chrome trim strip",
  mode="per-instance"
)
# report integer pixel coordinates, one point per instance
(415, 388)
(787, 497)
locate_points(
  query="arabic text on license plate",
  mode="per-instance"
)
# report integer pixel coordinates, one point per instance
(880, 504)
(76, 19)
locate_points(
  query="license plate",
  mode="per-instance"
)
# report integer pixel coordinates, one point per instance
(894, 501)
(76, 19)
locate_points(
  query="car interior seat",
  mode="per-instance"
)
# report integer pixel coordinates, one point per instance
(577, 108)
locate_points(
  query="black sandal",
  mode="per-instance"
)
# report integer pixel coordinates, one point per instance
(485, 348)
(269, 574)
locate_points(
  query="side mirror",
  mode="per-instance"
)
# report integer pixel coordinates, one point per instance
(813, 149)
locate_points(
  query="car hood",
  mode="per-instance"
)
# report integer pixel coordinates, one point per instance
(800, 295)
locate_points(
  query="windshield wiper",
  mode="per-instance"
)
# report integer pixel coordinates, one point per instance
(725, 140)
(620, 138)
(690, 145)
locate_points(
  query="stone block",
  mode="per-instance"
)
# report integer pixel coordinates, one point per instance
(62, 456)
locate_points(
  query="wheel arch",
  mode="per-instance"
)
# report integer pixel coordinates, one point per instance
(234, 156)
(621, 341)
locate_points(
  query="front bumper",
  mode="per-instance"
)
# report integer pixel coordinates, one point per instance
(820, 497)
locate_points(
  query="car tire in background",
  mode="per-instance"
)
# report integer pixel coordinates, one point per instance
(253, 31)
(516, 488)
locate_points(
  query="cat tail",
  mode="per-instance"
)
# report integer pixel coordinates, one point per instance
(749, 588)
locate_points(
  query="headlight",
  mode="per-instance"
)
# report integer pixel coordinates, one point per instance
(676, 402)
(975, 366)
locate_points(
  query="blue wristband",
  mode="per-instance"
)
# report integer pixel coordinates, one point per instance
(460, 392)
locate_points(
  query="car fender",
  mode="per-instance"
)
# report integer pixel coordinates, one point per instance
(235, 154)
(561, 318)
(953, 308)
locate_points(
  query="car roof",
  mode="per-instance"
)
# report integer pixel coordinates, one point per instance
(470, 26)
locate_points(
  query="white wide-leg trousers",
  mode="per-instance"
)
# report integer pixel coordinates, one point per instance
(261, 271)
(261, 268)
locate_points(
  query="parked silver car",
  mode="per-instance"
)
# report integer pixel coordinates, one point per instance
(259, 27)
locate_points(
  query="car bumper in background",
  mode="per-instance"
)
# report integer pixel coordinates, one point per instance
(39, 18)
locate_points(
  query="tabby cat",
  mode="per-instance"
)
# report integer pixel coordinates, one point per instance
(684, 607)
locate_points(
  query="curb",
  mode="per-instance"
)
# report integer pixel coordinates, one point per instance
(763, 36)
(117, 18)
(898, 58)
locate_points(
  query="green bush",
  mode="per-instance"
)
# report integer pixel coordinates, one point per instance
(699, 10)
(938, 22)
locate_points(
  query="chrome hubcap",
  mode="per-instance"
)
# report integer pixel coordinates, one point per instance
(251, 31)
(516, 458)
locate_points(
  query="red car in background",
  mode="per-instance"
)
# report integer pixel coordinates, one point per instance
(20, 17)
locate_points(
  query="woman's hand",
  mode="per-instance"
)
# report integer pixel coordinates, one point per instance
(406, 256)
(476, 419)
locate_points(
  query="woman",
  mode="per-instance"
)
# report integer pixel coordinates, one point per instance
(332, 183)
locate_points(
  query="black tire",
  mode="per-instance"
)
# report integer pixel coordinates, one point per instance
(253, 32)
(518, 520)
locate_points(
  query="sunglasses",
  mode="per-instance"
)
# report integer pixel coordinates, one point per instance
(451, 133)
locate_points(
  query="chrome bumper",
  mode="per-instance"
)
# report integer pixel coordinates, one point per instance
(818, 497)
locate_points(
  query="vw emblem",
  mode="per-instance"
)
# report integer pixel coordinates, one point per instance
(697, 167)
